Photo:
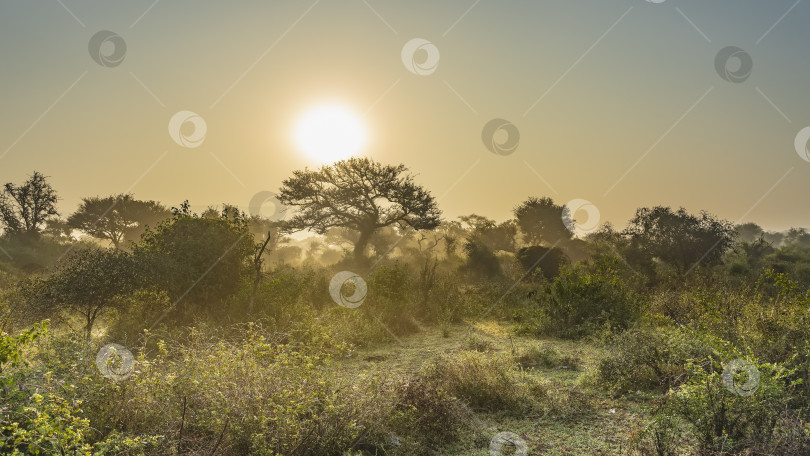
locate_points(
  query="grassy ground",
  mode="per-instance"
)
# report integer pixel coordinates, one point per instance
(595, 424)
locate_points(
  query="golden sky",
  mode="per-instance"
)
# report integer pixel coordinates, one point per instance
(621, 103)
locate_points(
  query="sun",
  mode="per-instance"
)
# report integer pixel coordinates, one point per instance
(330, 133)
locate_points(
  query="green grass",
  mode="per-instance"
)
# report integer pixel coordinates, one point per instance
(578, 420)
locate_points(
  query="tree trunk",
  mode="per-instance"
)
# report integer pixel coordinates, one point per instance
(360, 245)
(257, 269)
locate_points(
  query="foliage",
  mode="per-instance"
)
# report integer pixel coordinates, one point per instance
(679, 239)
(728, 423)
(580, 301)
(542, 221)
(88, 281)
(485, 381)
(359, 194)
(198, 259)
(117, 217)
(547, 260)
(481, 262)
(24, 209)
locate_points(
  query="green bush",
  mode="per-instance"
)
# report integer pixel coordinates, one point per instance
(485, 382)
(649, 360)
(740, 411)
(580, 301)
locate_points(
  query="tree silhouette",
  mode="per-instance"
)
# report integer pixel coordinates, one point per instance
(117, 217)
(680, 239)
(359, 194)
(540, 220)
(24, 209)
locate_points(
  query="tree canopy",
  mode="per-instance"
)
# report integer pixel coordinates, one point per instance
(359, 194)
(201, 259)
(88, 281)
(678, 238)
(116, 217)
(542, 221)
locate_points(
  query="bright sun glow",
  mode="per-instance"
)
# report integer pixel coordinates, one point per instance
(330, 133)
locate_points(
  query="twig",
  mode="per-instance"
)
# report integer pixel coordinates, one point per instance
(219, 440)
(182, 422)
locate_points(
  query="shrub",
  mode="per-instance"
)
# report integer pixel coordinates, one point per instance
(736, 414)
(649, 360)
(430, 416)
(580, 301)
(485, 382)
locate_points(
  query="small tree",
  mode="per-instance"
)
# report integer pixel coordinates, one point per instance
(115, 218)
(495, 236)
(359, 194)
(542, 221)
(89, 281)
(198, 258)
(24, 209)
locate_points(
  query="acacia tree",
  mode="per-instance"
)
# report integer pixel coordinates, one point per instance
(116, 217)
(25, 208)
(359, 194)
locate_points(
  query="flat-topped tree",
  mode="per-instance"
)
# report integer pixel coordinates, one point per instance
(359, 194)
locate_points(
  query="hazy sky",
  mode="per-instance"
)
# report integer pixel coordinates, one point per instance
(617, 102)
